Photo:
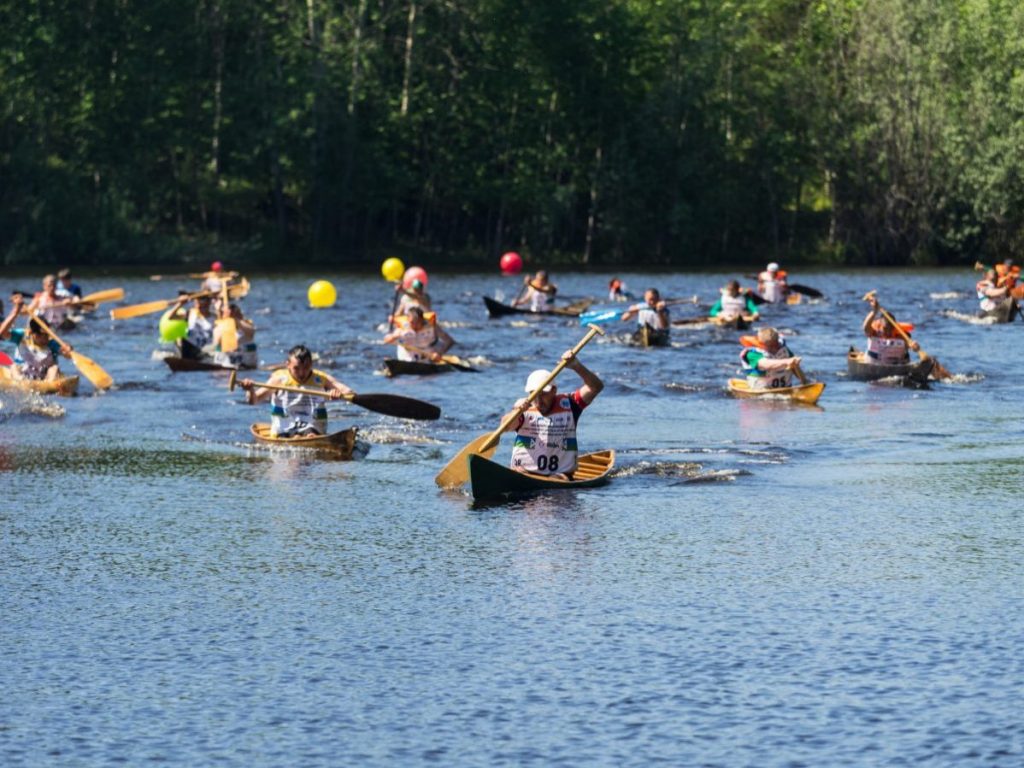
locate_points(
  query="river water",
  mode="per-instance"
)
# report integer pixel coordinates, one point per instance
(760, 584)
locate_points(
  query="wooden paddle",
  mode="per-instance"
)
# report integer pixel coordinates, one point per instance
(458, 363)
(93, 372)
(226, 325)
(456, 471)
(391, 405)
(137, 310)
(938, 369)
(111, 294)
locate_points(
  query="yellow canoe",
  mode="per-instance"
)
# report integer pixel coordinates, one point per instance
(65, 385)
(341, 443)
(802, 393)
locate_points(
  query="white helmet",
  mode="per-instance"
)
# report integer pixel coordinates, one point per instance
(773, 267)
(537, 378)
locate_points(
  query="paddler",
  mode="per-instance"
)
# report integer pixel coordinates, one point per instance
(51, 307)
(245, 354)
(885, 345)
(293, 414)
(990, 293)
(419, 337)
(617, 290)
(651, 313)
(214, 279)
(36, 356)
(66, 287)
(539, 294)
(734, 303)
(767, 362)
(771, 284)
(545, 441)
(201, 320)
(413, 296)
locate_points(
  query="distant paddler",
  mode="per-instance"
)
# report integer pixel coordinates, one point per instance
(545, 429)
(243, 352)
(767, 362)
(295, 414)
(54, 309)
(538, 291)
(771, 284)
(886, 345)
(413, 296)
(36, 355)
(200, 318)
(992, 291)
(419, 337)
(617, 290)
(66, 287)
(652, 318)
(733, 304)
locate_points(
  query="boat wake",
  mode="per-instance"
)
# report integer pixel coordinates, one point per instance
(14, 404)
(965, 318)
(938, 295)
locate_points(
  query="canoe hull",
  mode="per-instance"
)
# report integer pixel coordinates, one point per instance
(490, 480)
(650, 337)
(1005, 312)
(802, 393)
(65, 386)
(738, 323)
(859, 368)
(414, 368)
(497, 309)
(340, 444)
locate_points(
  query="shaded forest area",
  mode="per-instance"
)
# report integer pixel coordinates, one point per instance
(662, 132)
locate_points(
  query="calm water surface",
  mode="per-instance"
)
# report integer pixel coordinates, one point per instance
(760, 584)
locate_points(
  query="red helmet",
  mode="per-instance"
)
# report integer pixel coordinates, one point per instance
(216, 266)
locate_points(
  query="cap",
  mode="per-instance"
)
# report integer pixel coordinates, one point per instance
(773, 267)
(216, 266)
(537, 378)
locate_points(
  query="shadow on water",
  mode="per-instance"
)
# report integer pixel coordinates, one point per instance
(127, 462)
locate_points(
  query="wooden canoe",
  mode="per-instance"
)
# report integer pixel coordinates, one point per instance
(1005, 312)
(489, 480)
(802, 393)
(650, 337)
(189, 364)
(394, 367)
(497, 309)
(65, 386)
(342, 443)
(738, 323)
(860, 368)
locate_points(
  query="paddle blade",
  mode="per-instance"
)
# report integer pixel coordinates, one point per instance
(228, 334)
(459, 364)
(456, 471)
(112, 294)
(98, 377)
(601, 316)
(814, 293)
(396, 405)
(939, 371)
(138, 310)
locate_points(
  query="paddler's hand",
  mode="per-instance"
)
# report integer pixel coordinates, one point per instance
(873, 303)
(17, 300)
(66, 350)
(794, 363)
(435, 357)
(660, 306)
(246, 384)
(914, 345)
(570, 360)
(337, 393)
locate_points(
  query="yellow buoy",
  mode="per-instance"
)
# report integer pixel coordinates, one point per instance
(392, 269)
(322, 295)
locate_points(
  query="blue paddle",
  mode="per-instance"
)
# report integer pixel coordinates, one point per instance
(600, 316)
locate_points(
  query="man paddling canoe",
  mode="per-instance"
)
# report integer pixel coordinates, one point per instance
(244, 354)
(200, 318)
(767, 361)
(885, 345)
(419, 337)
(540, 293)
(545, 441)
(734, 303)
(36, 356)
(66, 287)
(992, 291)
(293, 414)
(771, 284)
(651, 314)
(52, 307)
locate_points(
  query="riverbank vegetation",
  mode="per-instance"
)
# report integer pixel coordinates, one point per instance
(660, 132)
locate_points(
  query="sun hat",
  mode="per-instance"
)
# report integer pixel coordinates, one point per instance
(537, 378)
(773, 267)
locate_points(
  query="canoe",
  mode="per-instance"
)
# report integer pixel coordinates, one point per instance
(738, 323)
(189, 364)
(394, 367)
(488, 479)
(497, 309)
(1005, 312)
(860, 368)
(65, 386)
(802, 393)
(650, 337)
(341, 442)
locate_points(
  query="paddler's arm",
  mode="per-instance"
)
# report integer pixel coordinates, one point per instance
(446, 342)
(335, 389)
(592, 385)
(716, 308)
(253, 392)
(12, 318)
(780, 364)
(752, 309)
(873, 302)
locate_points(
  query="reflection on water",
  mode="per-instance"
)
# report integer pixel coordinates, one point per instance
(758, 583)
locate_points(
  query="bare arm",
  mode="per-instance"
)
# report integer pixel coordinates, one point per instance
(592, 385)
(11, 319)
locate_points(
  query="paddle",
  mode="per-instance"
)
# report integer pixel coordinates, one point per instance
(236, 291)
(459, 364)
(394, 307)
(938, 369)
(799, 373)
(598, 316)
(814, 293)
(456, 471)
(111, 294)
(226, 325)
(93, 372)
(391, 405)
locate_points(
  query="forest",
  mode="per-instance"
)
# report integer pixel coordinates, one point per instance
(666, 133)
